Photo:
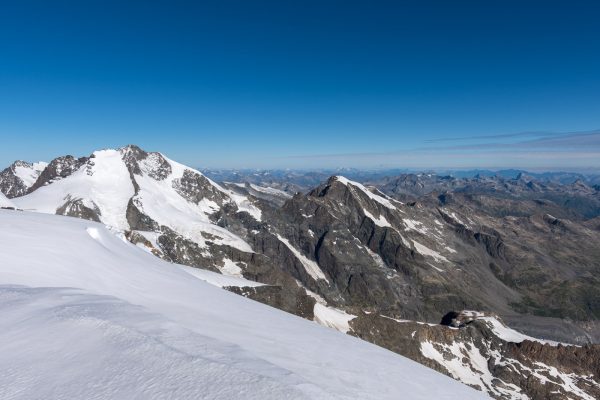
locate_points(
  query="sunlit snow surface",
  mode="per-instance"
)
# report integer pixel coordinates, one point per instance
(86, 315)
(4, 202)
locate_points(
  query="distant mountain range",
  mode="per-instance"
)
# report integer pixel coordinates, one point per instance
(441, 269)
(306, 179)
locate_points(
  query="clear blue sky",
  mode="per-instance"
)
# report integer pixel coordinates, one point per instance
(305, 83)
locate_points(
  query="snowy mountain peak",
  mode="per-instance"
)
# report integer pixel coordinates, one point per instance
(134, 190)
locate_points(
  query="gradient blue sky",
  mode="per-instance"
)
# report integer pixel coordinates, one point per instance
(305, 84)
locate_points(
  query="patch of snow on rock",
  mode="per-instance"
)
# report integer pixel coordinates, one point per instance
(332, 317)
(380, 221)
(426, 251)
(414, 225)
(311, 267)
(230, 268)
(511, 335)
(379, 199)
(244, 204)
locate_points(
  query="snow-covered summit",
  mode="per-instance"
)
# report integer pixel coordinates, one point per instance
(89, 315)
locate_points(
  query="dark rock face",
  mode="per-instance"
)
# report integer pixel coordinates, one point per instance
(184, 251)
(194, 188)
(132, 155)
(137, 219)
(275, 297)
(138, 239)
(77, 208)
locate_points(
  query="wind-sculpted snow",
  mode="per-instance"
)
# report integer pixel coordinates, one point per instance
(103, 347)
(86, 314)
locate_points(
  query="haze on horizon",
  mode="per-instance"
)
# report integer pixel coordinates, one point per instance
(236, 84)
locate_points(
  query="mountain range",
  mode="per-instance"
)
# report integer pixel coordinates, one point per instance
(491, 280)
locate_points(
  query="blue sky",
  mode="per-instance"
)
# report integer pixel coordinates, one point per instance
(305, 84)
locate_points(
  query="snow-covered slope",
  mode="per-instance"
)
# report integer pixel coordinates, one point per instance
(5, 202)
(86, 314)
